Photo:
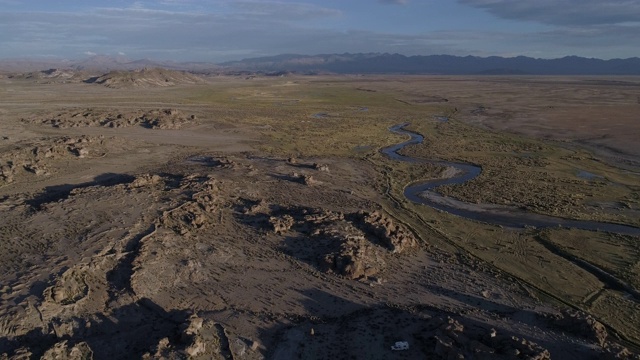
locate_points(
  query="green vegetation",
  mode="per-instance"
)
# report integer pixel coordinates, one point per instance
(350, 117)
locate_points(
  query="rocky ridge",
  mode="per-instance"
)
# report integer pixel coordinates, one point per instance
(36, 158)
(151, 119)
(352, 245)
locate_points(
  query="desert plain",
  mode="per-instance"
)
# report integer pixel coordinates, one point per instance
(164, 215)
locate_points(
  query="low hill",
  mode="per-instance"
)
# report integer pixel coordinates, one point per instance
(53, 76)
(144, 78)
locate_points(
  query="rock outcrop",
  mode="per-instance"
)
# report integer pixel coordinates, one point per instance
(453, 340)
(192, 214)
(351, 245)
(391, 235)
(36, 158)
(152, 119)
(64, 351)
(581, 324)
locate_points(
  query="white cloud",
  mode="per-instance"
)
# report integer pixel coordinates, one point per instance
(397, 2)
(90, 53)
(283, 10)
(563, 12)
(243, 29)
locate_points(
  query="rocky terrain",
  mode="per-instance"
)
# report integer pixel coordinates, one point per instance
(152, 119)
(200, 243)
(36, 159)
(144, 78)
(133, 78)
(351, 245)
(158, 234)
(53, 76)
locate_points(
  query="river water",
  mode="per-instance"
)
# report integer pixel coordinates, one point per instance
(424, 192)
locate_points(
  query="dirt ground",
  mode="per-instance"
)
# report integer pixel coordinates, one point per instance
(230, 218)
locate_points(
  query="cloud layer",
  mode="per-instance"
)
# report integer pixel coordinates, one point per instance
(245, 29)
(396, 2)
(221, 30)
(563, 12)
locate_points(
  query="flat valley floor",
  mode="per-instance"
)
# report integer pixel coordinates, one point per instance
(255, 217)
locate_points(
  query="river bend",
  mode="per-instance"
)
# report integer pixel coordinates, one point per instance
(423, 192)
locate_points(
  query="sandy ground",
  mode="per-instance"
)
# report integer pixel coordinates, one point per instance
(190, 242)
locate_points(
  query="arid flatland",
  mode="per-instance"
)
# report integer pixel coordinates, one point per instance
(255, 217)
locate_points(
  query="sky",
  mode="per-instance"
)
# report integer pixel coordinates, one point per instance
(223, 30)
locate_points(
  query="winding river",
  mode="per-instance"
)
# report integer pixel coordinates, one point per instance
(423, 192)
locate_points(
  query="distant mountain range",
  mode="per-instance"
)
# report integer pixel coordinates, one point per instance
(438, 64)
(371, 63)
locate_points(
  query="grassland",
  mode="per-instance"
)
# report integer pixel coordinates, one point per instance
(531, 136)
(529, 170)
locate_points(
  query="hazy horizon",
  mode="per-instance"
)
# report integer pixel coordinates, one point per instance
(127, 60)
(224, 30)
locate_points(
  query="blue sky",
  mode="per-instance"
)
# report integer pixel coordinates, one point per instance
(221, 30)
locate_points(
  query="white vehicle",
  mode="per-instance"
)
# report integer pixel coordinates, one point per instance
(400, 345)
